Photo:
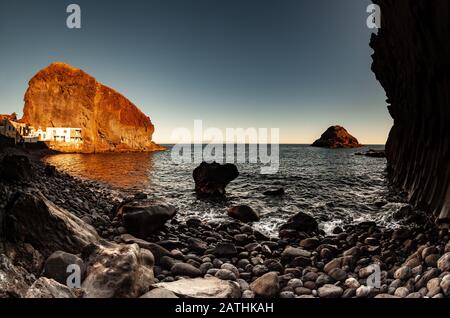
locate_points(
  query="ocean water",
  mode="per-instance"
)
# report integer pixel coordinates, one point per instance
(333, 185)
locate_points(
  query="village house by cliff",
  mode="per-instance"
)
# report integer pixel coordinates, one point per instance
(23, 133)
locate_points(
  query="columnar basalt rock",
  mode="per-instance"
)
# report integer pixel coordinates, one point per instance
(412, 63)
(64, 96)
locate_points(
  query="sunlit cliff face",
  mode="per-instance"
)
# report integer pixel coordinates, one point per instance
(63, 96)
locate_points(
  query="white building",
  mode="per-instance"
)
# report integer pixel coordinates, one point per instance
(59, 134)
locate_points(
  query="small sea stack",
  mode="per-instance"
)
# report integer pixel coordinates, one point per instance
(336, 137)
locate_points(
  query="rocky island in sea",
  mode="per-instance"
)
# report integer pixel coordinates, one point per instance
(129, 246)
(337, 137)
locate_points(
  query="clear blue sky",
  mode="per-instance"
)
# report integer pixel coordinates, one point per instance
(296, 65)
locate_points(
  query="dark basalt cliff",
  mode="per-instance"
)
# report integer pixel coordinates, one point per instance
(412, 63)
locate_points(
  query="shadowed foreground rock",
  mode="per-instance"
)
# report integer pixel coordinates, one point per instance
(412, 63)
(118, 271)
(31, 218)
(16, 168)
(336, 137)
(211, 179)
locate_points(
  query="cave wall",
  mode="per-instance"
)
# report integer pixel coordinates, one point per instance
(412, 63)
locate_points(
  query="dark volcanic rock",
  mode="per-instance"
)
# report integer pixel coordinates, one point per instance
(411, 51)
(57, 264)
(31, 218)
(211, 179)
(16, 168)
(336, 137)
(301, 222)
(144, 218)
(243, 213)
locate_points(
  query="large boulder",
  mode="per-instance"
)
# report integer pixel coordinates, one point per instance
(61, 95)
(336, 137)
(211, 179)
(243, 213)
(16, 168)
(49, 288)
(142, 218)
(117, 271)
(31, 218)
(210, 287)
(301, 222)
(56, 266)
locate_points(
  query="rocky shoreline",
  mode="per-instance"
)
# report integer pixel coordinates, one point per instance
(228, 259)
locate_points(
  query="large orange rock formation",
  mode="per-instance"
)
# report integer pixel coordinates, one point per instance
(64, 96)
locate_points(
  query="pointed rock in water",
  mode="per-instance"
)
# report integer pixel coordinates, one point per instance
(61, 95)
(211, 179)
(336, 137)
(243, 213)
(210, 287)
(301, 222)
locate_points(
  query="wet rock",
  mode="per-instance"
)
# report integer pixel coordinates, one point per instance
(301, 222)
(184, 269)
(49, 288)
(243, 213)
(211, 179)
(159, 293)
(56, 266)
(330, 291)
(142, 218)
(210, 287)
(266, 286)
(117, 271)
